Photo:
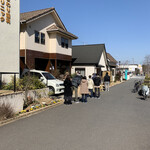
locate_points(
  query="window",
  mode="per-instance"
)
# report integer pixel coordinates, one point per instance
(48, 76)
(42, 38)
(37, 37)
(64, 42)
(35, 74)
(81, 71)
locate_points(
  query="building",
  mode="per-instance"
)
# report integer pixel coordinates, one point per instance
(45, 43)
(112, 63)
(89, 59)
(130, 67)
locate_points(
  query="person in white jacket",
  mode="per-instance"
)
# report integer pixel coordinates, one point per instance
(90, 86)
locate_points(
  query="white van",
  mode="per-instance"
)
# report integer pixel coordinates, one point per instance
(55, 85)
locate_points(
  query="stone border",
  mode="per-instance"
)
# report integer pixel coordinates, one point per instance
(28, 114)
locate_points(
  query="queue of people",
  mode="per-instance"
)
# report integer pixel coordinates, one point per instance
(88, 88)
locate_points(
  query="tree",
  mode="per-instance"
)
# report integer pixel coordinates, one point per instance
(146, 65)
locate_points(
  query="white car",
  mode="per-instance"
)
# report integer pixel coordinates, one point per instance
(55, 85)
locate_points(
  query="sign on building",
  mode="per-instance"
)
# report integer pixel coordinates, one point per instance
(9, 36)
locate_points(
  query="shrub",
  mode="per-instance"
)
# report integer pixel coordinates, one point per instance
(50, 93)
(27, 82)
(118, 76)
(6, 111)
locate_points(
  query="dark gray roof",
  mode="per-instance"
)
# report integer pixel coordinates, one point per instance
(87, 54)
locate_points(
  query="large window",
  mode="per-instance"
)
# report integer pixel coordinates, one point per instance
(64, 42)
(37, 37)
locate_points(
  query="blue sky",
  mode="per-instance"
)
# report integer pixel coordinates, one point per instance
(123, 25)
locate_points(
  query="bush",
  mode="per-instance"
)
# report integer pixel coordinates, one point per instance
(27, 82)
(6, 111)
(118, 76)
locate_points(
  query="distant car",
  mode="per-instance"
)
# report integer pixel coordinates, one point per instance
(55, 85)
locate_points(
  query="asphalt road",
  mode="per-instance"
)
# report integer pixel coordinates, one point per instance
(120, 120)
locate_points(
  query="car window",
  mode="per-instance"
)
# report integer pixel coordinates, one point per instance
(48, 76)
(38, 75)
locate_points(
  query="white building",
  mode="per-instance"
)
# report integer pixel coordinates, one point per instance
(89, 59)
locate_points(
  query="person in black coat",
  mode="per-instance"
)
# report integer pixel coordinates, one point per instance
(97, 82)
(68, 90)
(107, 81)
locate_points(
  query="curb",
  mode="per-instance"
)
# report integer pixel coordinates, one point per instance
(28, 114)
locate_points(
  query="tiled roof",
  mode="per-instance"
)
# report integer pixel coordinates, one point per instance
(27, 16)
(112, 59)
(54, 28)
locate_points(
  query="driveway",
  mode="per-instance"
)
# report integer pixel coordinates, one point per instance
(120, 120)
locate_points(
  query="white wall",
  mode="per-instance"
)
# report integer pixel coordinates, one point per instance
(9, 39)
(89, 70)
(103, 62)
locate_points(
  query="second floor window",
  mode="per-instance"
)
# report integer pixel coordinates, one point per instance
(64, 42)
(37, 37)
(42, 38)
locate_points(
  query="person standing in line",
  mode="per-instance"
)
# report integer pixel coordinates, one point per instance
(90, 86)
(97, 82)
(68, 90)
(107, 81)
(93, 75)
(84, 89)
(76, 80)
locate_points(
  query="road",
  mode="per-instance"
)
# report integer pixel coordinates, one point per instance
(120, 120)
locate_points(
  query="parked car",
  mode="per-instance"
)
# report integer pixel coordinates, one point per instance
(55, 85)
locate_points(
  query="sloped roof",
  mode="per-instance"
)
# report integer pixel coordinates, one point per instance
(27, 16)
(55, 28)
(112, 60)
(87, 54)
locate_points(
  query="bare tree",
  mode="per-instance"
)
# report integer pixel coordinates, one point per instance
(126, 62)
(146, 66)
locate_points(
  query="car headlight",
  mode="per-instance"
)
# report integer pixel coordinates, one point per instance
(57, 85)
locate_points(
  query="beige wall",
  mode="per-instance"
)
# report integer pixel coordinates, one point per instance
(39, 25)
(61, 50)
(22, 36)
(52, 40)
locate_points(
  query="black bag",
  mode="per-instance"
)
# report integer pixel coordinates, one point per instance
(140, 92)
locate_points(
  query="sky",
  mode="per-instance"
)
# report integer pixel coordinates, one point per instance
(122, 25)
